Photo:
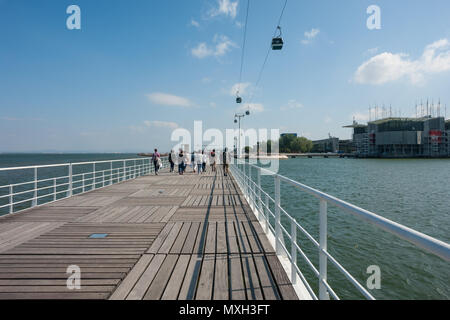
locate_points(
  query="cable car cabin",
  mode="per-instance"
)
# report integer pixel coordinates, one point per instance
(238, 100)
(277, 43)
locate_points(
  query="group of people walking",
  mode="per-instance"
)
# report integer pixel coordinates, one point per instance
(198, 161)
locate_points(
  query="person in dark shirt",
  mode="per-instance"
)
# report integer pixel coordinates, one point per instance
(172, 163)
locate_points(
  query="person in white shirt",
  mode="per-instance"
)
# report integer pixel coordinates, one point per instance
(198, 161)
(187, 159)
(204, 160)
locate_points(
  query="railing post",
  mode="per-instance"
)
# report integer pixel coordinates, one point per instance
(103, 178)
(123, 173)
(93, 175)
(277, 215)
(110, 173)
(54, 189)
(267, 214)
(11, 205)
(84, 183)
(293, 252)
(323, 293)
(258, 172)
(249, 183)
(70, 180)
(34, 202)
(134, 170)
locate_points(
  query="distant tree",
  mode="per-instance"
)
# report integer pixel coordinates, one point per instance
(305, 144)
(247, 149)
(285, 143)
(292, 144)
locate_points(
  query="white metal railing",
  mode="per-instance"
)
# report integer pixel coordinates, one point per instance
(92, 175)
(259, 202)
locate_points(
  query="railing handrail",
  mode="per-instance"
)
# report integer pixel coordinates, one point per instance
(130, 169)
(254, 193)
(433, 245)
(71, 163)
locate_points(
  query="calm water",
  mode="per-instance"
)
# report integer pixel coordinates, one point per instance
(413, 192)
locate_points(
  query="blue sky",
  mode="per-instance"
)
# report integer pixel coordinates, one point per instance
(138, 69)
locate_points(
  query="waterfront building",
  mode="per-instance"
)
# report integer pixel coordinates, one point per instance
(288, 134)
(402, 137)
(331, 144)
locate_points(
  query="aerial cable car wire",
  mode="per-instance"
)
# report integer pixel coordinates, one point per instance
(268, 51)
(238, 98)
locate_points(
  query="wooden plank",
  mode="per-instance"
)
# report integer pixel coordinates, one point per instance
(188, 246)
(133, 276)
(170, 239)
(54, 295)
(241, 236)
(252, 284)
(237, 290)
(205, 284)
(221, 289)
(221, 238)
(284, 284)
(140, 288)
(179, 242)
(268, 284)
(210, 245)
(263, 240)
(252, 240)
(190, 281)
(57, 282)
(233, 246)
(176, 280)
(160, 239)
(156, 289)
(54, 289)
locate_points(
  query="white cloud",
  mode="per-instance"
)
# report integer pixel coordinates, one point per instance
(161, 124)
(225, 7)
(291, 105)
(253, 107)
(328, 119)
(166, 99)
(202, 51)
(194, 23)
(206, 80)
(221, 45)
(242, 88)
(310, 35)
(387, 67)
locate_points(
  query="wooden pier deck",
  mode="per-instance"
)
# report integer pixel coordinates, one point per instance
(168, 237)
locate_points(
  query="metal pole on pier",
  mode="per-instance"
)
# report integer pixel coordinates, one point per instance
(323, 293)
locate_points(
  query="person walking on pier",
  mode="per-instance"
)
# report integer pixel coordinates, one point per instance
(180, 162)
(198, 162)
(204, 160)
(225, 161)
(213, 160)
(171, 160)
(193, 162)
(186, 161)
(156, 160)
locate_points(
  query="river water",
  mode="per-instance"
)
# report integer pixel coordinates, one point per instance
(413, 192)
